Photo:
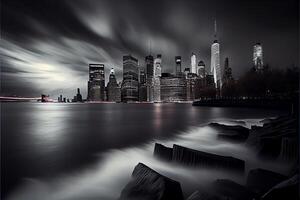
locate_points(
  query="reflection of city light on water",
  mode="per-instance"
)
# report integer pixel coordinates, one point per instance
(157, 118)
(48, 126)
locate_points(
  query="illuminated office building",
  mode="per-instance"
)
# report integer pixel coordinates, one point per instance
(215, 61)
(96, 83)
(193, 64)
(258, 57)
(130, 84)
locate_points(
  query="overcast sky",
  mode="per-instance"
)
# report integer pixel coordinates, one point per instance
(46, 45)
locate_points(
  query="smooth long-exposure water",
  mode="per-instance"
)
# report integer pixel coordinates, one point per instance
(88, 151)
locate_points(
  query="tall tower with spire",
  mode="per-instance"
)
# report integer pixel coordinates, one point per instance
(215, 60)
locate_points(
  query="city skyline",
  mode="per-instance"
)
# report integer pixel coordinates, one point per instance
(46, 52)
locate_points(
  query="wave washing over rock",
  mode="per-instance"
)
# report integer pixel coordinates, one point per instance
(106, 179)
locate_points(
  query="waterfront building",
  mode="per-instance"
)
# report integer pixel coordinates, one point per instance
(193, 64)
(77, 97)
(156, 79)
(113, 88)
(209, 80)
(173, 88)
(143, 93)
(157, 66)
(227, 76)
(190, 86)
(60, 98)
(149, 66)
(96, 83)
(143, 86)
(186, 71)
(201, 69)
(258, 57)
(178, 65)
(142, 76)
(149, 62)
(130, 84)
(215, 61)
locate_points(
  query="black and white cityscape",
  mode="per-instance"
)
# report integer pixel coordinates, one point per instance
(149, 100)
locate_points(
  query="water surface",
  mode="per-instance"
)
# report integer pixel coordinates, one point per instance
(50, 141)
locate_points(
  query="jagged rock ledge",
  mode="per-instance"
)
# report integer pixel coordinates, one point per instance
(148, 184)
(191, 157)
(261, 180)
(235, 133)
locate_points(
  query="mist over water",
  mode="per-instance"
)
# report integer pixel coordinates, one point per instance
(107, 178)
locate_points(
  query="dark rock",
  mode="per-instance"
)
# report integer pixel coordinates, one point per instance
(147, 184)
(254, 127)
(232, 190)
(261, 180)
(269, 140)
(195, 196)
(289, 149)
(204, 196)
(193, 157)
(233, 133)
(288, 189)
(163, 152)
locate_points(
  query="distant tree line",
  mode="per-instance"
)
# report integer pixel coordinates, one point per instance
(270, 83)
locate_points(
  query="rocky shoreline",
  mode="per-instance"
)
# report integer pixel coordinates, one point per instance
(277, 140)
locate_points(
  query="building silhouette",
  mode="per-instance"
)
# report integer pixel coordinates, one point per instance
(113, 88)
(142, 86)
(258, 57)
(227, 75)
(173, 88)
(193, 64)
(201, 69)
(77, 97)
(130, 84)
(149, 66)
(178, 65)
(215, 61)
(156, 78)
(96, 83)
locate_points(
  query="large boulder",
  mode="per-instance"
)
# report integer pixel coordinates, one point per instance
(193, 157)
(232, 190)
(163, 152)
(148, 184)
(273, 139)
(261, 180)
(235, 133)
(288, 189)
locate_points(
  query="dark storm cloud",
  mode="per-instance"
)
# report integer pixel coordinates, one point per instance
(48, 44)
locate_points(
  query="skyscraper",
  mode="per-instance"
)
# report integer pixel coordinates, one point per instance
(142, 76)
(258, 57)
(178, 64)
(96, 83)
(149, 62)
(130, 84)
(215, 61)
(227, 76)
(157, 66)
(78, 95)
(201, 69)
(149, 66)
(193, 64)
(173, 88)
(142, 86)
(113, 88)
(157, 76)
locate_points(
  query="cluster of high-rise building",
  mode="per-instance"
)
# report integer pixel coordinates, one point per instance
(147, 83)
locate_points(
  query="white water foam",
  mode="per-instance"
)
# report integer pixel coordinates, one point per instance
(106, 179)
